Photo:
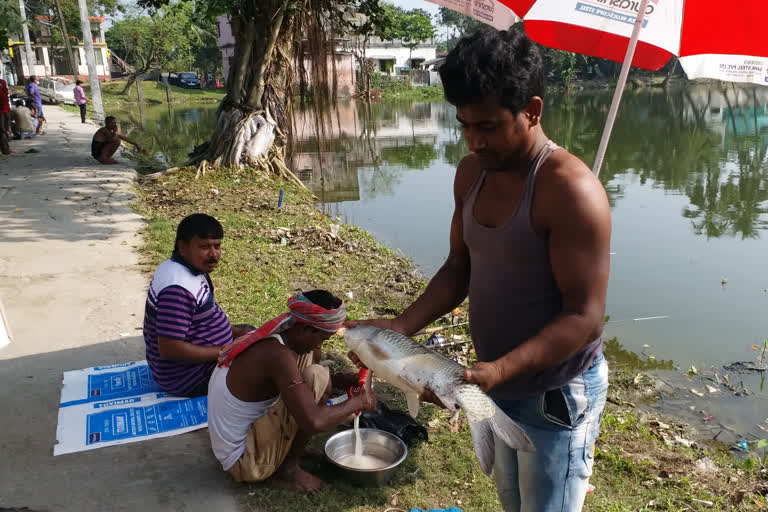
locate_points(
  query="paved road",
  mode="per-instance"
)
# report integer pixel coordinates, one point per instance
(73, 296)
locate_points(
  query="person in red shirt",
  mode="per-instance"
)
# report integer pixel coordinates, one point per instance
(5, 118)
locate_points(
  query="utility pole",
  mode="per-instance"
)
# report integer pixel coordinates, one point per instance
(90, 59)
(67, 42)
(27, 45)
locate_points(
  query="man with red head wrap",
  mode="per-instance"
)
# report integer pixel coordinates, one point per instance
(266, 398)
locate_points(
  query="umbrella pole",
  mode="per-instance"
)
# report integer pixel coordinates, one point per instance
(619, 88)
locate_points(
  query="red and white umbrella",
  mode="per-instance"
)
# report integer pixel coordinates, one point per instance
(490, 12)
(712, 39)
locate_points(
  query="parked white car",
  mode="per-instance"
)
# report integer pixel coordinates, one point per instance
(54, 89)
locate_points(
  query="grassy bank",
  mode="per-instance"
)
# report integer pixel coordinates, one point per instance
(270, 252)
(154, 94)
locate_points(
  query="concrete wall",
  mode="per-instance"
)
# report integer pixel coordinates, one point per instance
(345, 72)
(226, 43)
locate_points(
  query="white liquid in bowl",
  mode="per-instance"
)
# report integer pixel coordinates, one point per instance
(361, 461)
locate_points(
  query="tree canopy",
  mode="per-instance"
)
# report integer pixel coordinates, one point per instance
(9, 18)
(174, 38)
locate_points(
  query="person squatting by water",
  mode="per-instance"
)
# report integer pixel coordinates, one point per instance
(185, 330)
(529, 244)
(266, 397)
(107, 140)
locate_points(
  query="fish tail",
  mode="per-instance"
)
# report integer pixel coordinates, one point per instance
(510, 432)
(485, 444)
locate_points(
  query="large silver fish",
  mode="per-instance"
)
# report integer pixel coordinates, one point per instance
(412, 367)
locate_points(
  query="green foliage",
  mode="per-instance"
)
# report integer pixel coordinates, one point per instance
(176, 38)
(460, 25)
(417, 156)
(9, 18)
(415, 28)
(389, 83)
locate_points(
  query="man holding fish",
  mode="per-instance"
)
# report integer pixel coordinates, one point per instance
(529, 246)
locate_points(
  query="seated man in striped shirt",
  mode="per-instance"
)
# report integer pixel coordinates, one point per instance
(184, 329)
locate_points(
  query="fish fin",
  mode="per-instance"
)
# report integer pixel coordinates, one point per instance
(414, 404)
(485, 444)
(510, 432)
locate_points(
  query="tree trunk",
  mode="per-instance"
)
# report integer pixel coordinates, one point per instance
(129, 83)
(250, 117)
(671, 72)
(67, 42)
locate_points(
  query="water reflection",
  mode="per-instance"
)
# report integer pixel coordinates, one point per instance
(708, 143)
(168, 132)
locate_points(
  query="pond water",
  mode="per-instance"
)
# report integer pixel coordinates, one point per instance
(687, 178)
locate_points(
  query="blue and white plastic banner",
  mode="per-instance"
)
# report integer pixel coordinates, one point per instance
(118, 404)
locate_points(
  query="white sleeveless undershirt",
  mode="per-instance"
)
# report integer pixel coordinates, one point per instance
(230, 418)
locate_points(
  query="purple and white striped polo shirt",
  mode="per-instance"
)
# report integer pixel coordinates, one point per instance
(180, 305)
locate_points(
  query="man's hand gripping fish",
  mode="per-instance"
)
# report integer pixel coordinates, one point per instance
(412, 367)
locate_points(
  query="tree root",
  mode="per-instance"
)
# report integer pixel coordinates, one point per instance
(201, 169)
(160, 174)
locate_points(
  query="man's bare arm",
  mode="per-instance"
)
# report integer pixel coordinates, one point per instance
(579, 220)
(299, 398)
(178, 350)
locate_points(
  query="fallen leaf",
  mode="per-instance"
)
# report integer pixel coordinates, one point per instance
(697, 393)
(19, 210)
(712, 389)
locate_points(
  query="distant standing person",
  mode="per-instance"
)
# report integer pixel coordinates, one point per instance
(80, 99)
(5, 118)
(34, 94)
(106, 141)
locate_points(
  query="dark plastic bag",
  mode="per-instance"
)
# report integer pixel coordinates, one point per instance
(395, 422)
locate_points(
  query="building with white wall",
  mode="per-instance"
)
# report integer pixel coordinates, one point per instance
(53, 60)
(393, 58)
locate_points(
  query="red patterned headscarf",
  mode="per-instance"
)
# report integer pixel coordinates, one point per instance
(300, 309)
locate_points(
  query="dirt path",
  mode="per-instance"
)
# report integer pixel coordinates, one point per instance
(73, 297)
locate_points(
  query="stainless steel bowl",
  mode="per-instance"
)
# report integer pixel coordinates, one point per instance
(376, 443)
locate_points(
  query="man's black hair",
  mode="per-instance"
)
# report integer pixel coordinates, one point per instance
(32, 78)
(19, 103)
(108, 119)
(503, 64)
(323, 298)
(78, 82)
(200, 225)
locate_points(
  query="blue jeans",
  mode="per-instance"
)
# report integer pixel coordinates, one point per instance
(563, 425)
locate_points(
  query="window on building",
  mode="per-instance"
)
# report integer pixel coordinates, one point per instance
(99, 56)
(218, 29)
(386, 65)
(39, 59)
(96, 36)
